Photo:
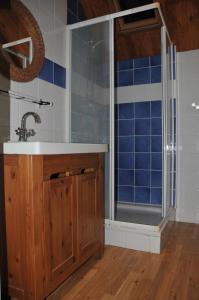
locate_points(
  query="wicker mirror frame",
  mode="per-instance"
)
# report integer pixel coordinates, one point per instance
(32, 28)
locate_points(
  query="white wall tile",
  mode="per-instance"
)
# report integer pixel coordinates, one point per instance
(188, 137)
(51, 16)
(144, 92)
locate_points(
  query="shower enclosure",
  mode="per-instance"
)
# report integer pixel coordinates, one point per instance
(104, 108)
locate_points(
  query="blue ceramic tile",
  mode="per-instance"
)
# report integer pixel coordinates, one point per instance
(59, 76)
(174, 100)
(125, 65)
(126, 194)
(126, 127)
(156, 74)
(142, 109)
(142, 126)
(116, 107)
(142, 195)
(174, 198)
(126, 111)
(156, 126)
(142, 178)
(174, 180)
(116, 161)
(156, 108)
(156, 161)
(174, 53)
(126, 177)
(47, 71)
(156, 143)
(156, 179)
(142, 161)
(174, 140)
(126, 160)
(142, 144)
(175, 124)
(141, 76)
(125, 78)
(141, 62)
(116, 177)
(116, 193)
(174, 70)
(72, 6)
(126, 144)
(116, 128)
(156, 196)
(155, 60)
(175, 162)
(116, 79)
(116, 144)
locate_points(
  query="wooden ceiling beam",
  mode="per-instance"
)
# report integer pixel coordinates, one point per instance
(181, 17)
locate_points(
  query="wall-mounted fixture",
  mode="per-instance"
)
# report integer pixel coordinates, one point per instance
(21, 43)
(27, 98)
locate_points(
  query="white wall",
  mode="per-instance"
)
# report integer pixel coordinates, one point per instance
(51, 16)
(139, 93)
(188, 137)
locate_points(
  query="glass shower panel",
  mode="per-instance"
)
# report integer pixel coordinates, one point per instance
(90, 90)
(168, 129)
(90, 86)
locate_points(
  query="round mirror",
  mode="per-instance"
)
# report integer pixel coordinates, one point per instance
(21, 42)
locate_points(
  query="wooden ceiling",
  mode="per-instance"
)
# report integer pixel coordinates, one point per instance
(181, 17)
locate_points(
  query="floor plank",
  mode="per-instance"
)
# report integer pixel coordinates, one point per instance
(124, 274)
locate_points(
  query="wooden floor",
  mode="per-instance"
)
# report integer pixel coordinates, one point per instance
(125, 274)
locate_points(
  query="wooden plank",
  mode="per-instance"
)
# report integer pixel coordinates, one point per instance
(182, 20)
(127, 274)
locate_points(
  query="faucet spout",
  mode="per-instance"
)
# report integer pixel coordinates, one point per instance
(26, 115)
(22, 132)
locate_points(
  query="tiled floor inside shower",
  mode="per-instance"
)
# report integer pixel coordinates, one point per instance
(139, 214)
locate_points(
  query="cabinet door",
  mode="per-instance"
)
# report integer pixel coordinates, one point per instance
(88, 215)
(60, 229)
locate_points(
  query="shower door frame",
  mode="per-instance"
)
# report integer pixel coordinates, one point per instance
(110, 18)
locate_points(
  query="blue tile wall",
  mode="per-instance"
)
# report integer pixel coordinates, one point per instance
(53, 73)
(75, 12)
(139, 151)
(47, 70)
(144, 70)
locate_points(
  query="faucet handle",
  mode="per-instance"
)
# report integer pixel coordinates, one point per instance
(30, 132)
(18, 131)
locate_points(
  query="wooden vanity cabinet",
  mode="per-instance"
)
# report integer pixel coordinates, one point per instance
(60, 219)
(54, 219)
(89, 211)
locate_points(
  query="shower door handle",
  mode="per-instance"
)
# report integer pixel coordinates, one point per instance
(170, 147)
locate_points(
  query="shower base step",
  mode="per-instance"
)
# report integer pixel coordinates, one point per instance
(140, 237)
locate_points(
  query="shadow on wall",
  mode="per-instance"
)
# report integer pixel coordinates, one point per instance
(4, 136)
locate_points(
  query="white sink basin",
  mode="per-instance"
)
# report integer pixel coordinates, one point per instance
(42, 148)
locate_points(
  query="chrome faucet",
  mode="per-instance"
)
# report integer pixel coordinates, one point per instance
(24, 133)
